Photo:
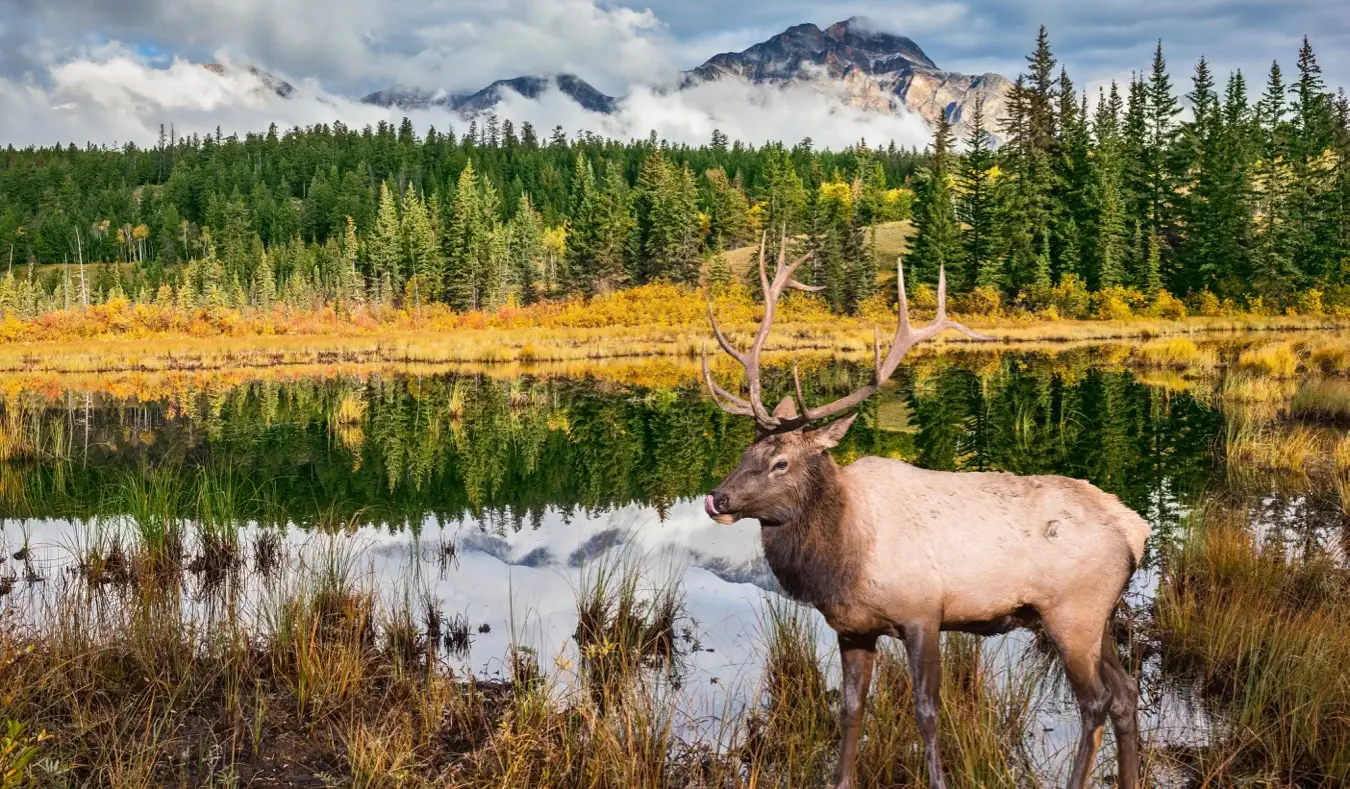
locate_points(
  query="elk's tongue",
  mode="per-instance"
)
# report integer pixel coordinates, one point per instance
(709, 507)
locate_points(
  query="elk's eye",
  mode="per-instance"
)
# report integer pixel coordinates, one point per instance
(780, 465)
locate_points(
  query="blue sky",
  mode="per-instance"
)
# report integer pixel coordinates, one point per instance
(357, 45)
(108, 71)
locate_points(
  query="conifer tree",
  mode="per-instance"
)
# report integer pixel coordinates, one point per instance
(384, 248)
(1312, 232)
(937, 238)
(527, 248)
(264, 283)
(585, 230)
(422, 254)
(1161, 156)
(1107, 226)
(977, 209)
(1273, 268)
(466, 243)
(614, 226)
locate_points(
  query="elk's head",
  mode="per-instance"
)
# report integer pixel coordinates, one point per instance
(781, 472)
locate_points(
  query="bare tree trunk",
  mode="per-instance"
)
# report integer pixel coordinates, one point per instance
(79, 255)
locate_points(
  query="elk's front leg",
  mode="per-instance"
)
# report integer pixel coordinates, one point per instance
(923, 646)
(857, 653)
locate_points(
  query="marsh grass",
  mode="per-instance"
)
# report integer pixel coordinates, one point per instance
(323, 680)
(987, 708)
(1273, 360)
(1177, 353)
(1263, 638)
(625, 624)
(1322, 400)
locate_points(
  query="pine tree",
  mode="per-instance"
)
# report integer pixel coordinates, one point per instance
(831, 224)
(1201, 140)
(783, 197)
(977, 209)
(584, 231)
(937, 238)
(527, 248)
(499, 284)
(1160, 157)
(350, 286)
(1135, 180)
(1107, 226)
(1072, 181)
(1312, 204)
(384, 247)
(1273, 270)
(615, 224)
(264, 283)
(719, 271)
(422, 254)
(466, 244)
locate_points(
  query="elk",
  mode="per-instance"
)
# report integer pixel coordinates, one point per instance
(881, 547)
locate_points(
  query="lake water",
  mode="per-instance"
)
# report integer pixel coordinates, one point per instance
(491, 499)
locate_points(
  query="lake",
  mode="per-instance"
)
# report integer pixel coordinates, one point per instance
(490, 505)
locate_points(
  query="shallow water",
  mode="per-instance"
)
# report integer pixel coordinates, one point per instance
(492, 500)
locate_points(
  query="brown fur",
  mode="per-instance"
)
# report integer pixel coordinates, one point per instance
(884, 548)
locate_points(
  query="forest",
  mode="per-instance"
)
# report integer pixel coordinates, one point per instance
(1069, 206)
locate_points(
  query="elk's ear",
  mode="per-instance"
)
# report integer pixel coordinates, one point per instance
(787, 409)
(831, 434)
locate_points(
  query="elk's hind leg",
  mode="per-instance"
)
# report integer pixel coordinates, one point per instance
(1079, 641)
(1123, 711)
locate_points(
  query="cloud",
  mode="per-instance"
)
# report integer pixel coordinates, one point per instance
(122, 97)
(63, 54)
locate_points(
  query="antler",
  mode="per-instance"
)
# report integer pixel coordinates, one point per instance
(906, 337)
(754, 407)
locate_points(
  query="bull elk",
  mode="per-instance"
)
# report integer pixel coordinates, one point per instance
(881, 547)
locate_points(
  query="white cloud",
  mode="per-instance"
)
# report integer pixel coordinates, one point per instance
(120, 98)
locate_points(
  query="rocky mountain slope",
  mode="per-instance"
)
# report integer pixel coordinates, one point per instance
(866, 69)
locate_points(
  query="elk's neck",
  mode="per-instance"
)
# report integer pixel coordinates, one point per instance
(815, 554)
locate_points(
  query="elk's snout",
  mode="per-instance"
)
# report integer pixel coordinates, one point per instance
(717, 505)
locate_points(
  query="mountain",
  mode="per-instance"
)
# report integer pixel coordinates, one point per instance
(270, 82)
(865, 68)
(476, 102)
(868, 69)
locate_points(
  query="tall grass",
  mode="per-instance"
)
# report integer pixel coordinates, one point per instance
(1275, 360)
(1323, 399)
(1264, 639)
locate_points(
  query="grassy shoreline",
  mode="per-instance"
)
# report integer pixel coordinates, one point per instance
(170, 351)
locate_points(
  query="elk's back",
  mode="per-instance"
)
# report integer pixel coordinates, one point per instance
(980, 545)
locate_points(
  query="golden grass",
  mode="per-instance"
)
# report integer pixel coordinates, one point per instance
(1263, 638)
(1322, 400)
(1177, 352)
(1276, 360)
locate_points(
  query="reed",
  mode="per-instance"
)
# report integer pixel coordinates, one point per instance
(1261, 636)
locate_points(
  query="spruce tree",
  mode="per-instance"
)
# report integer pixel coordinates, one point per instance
(1107, 205)
(615, 224)
(1273, 269)
(1312, 205)
(937, 241)
(384, 247)
(465, 245)
(1160, 156)
(526, 234)
(584, 231)
(422, 254)
(976, 207)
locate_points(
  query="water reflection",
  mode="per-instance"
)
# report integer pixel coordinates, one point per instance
(486, 499)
